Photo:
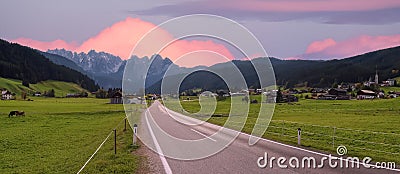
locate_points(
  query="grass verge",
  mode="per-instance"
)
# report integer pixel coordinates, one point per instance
(59, 135)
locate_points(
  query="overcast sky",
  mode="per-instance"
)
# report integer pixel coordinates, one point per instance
(307, 29)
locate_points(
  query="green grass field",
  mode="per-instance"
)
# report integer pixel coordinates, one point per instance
(365, 127)
(59, 135)
(60, 88)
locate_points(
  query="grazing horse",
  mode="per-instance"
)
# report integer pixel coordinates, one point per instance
(16, 113)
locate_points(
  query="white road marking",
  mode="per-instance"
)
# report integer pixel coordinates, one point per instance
(289, 146)
(162, 109)
(194, 130)
(164, 161)
(305, 150)
(281, 144)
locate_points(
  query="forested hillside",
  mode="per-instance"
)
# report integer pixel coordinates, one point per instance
(28, 65)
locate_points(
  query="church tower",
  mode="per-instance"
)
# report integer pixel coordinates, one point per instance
(376, 77)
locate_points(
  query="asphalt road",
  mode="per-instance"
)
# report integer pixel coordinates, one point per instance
(237, 157)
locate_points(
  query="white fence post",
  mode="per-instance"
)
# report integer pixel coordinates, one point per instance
(299, 136)
(134, 134)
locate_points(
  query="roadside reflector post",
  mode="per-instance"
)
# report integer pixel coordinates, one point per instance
(134, 134)
(299, 136)
(115, 141)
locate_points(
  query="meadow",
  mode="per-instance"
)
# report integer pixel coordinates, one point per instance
(366, 127)
(58, 135)
(61, 88)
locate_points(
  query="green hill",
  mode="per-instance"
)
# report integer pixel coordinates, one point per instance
(60, 88)
(26, 64)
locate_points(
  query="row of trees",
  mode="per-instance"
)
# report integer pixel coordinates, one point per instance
(50, 93)
(101, 93)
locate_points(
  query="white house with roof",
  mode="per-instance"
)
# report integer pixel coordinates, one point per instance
(389, 82)
(366, 94)
(6, 95)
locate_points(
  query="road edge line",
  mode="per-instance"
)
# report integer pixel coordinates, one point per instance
(278, 143)
(164, 161)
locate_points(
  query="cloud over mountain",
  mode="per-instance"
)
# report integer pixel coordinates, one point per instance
(120, 38)
(330, 48)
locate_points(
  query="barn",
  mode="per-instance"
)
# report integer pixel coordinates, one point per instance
(116, 98)
(366, 94)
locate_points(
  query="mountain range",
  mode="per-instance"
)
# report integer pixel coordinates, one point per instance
(107, 70)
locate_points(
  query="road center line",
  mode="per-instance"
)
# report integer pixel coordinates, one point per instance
(194, 130)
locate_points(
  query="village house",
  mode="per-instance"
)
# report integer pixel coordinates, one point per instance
(6, 95)
(334, 94)
(393, 94)
(238, 94)
(315, 92)
(116, 98)
(37, 94)
(366, 94)
(389, 82)
(251, 91)
(270, 96)
(337, 92)
(209, 94)
(287, 98)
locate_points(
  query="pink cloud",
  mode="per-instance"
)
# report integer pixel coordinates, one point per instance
(310, 5)
(318, 46)
(182, 47)
(46, 45)
(120, 38)
(329, 48)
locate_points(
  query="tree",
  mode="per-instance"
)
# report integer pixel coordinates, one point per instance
(279, 96)
(335, 85)
(51, 93)
(23, 95)
(84, 94)
(101, 93)
(25, 83)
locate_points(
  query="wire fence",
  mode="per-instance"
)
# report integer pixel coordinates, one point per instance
(124, 121)
(361, 143)
(102, 143)
(358, 142)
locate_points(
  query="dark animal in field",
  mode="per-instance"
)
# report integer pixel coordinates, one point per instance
(254, 101)
(12, 113)
(16, 113)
